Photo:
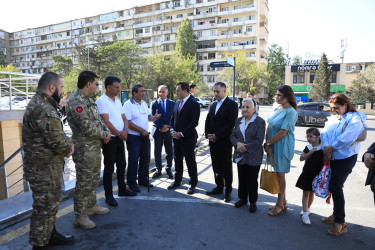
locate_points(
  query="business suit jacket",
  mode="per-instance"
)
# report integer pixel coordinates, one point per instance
(166, 117)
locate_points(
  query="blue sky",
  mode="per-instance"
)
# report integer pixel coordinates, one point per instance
(314, 26)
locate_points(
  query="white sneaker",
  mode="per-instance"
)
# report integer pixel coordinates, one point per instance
(308, 211)
(306, 219)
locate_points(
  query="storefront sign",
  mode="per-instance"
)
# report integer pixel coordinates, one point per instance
(313, 68)
(307, 88)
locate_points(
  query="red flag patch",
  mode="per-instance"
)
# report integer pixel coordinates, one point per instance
(79, 109)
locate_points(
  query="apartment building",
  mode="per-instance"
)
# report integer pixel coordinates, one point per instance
(4, 46)
(220, 25)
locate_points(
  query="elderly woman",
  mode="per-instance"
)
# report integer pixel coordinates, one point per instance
(280, 141)
(339, 141)
(247, 138)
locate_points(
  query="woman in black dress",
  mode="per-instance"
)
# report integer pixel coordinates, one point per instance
(313, 157)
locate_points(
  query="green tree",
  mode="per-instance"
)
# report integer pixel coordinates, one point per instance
(320, 89)
(123, 59)
(186, 40)
(276, 63)
(62, 65)
(249, 75)
(70, 80)
(9, 68)
(363, 87)
(297, 60)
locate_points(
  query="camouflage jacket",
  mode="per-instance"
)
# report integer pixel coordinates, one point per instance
(84, 119)
(43, 137)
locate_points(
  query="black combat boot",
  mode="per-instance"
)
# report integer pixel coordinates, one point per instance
(59, 239)
(39, 247)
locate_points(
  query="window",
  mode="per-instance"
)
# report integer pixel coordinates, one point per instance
(312, 76)
(211, 55)
(200, 23)
(237, 31)
(212, 21)
(249, 28)
(250, 54)
(199, 33)
(211, 79)
(224, 44)
(225, 9)
(250, 17)
(157, 28)
(213, 32)
(237, 7)
(200, 68)
(147, 30)
(333, 77)
(138, 31)
(199, 1)
(119, 34)
(224, 20)
(237, 19)
(167, 38)
(299, 77)
(209, 68)
(179, 15)
(190, 14)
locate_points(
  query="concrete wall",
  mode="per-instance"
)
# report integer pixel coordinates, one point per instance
(9, 115)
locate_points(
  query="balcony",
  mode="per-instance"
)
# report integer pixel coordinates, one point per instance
(142, 25)
(207, 50)
(206, 4)
(146, 45)
(239, 11)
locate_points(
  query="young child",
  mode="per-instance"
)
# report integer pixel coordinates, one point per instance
(313, 157)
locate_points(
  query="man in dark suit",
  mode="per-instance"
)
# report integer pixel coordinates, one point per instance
(219, 124)
(184, 120)
(369, 160)
(161, 131)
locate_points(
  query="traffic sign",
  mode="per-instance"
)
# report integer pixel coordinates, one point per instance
(230, 61)
(220, 64)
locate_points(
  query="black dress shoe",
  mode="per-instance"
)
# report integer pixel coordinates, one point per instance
(253, 207)
(126, 192)
(170, 175)
(215, 190)
(156, 175)
(173, 185)
(145, 185)
(111, 201)
(135, 188)
(227, 197)
(191, 190)
(58, 239)
(39, 247)
(240, 203)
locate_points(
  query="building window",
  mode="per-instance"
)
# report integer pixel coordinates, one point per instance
(211, 79)
(179, 15)
(312, 77)
(237, 31)
(199, 33)
(249, 28)
(156, 28)
(213, 32)
(225, 9)
(212, 21)
(237, 19)
(333, 77)
(250, 54)
(224, 44)
(211, 55)
(200, 23)
(299, 77)
(200, 68)
(250, 17)
(139, 31)
(190, 14)
(224, 20)
(147, 30)
(167, 38)
(237, 7)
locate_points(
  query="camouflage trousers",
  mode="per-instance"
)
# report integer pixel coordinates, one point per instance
(45, 183)
(87, 159)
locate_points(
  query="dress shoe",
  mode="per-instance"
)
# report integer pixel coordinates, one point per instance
(135, 188)
(227, 197)
(156, 175)
(111, 201)
(84, 222)
(39, 247)
(170, 175)
(59, 239)
(240, 203)
(97, 210)
(145, 185)
(215, 190)
(173, 185)
(191, 190)
(126, 192)
(253, 207)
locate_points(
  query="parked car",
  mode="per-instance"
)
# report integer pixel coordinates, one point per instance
(202, 102)
(313, 113)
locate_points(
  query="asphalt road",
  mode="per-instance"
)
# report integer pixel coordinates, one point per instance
(165, 219)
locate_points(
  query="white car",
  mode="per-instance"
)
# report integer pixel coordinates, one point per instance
(202, 102)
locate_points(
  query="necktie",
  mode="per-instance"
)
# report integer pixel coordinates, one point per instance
(179, 107)
(163, 106)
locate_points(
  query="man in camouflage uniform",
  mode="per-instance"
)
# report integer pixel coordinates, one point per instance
(45, 145)
(89, 132)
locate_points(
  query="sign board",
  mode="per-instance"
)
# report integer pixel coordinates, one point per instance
(313, 68)
(230, 61)
(100, 85)
(220, 64)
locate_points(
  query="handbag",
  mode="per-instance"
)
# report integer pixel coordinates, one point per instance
(269, 180)
(363, 135)
(320, 185)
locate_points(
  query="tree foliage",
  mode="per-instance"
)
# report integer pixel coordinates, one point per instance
(320, 89)
(186, 40)
(249, 75)
(62, 65)
(276, 63)
(363, 87)
(9, 68)
(297, 60)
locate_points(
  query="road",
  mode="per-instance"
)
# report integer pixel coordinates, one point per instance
(165, 219)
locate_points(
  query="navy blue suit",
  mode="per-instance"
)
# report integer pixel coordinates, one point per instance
(161, 138)
(185, 122)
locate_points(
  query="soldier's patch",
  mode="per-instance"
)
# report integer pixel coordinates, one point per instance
(79, 109)
(54, 115)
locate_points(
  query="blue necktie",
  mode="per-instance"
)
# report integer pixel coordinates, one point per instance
(163, 105)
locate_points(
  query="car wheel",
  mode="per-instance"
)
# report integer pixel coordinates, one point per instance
(299, 121)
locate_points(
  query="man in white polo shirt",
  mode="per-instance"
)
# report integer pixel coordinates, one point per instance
(138, 143)
(114, 151)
